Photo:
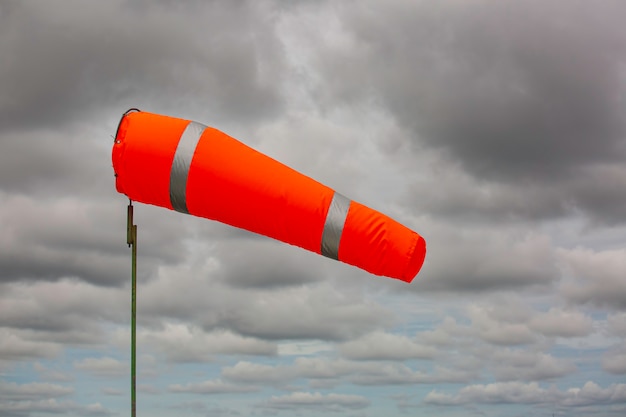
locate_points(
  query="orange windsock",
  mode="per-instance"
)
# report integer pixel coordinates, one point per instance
(188, 167)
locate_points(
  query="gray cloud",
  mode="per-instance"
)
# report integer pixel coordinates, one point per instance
(73, 59)
(113, 392)
(66, 308)
(532, 116)
(597, 190)
(104, 366)
(505, 100)
(614, 362)
(194, 292)
(35, 390)
(253, 373)
(324, 372)
(518, 393)
(186, 343)
(51, 374)
(562, 323)
(526, 365)
(14, 346)
(596, 278)
(21, 400)
(317, 402)
(52, 406)
(385, 346)
(201, 407)
(262, 263)
(617, 324)
(211, 387)
(507, 340)
(305, 314)
(462, 258)
(73, 67)
(54, 163)
(70, 237)
(489, 128)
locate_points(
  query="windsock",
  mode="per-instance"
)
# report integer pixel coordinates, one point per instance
(195, 169)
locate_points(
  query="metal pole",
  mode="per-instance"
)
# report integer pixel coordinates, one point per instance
(131, 239)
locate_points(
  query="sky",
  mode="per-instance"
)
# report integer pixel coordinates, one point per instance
(495, 129)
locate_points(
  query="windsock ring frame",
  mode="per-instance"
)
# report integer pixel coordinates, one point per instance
(195, 169)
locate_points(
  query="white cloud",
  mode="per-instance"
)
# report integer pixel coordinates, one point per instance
(527, 365)
(598, 276)
(51, 239)
(16, 345)
(52, 406)
(255, 373)
(304, 347)
(104, 366)
(39, 405)
(113, 392)
(52, 374)
(195, 294)
(614, 362)
(64, 307)
(12, 391)
(211, 387)
(491, 328)
(446, 333)
(189, 343)
(508, 322)
(328, 371)
(530, 393)
(385, 346)
(485, 258)
(318, 402)
(318, 312)
(617, 324)
(562, 323)
(591, 393)
(505, 392)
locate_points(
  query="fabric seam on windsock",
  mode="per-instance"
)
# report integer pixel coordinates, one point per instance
(181, 163)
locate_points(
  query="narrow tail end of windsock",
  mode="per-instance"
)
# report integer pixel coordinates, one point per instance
(416, 260)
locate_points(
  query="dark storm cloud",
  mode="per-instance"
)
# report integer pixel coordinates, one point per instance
(526, 97)
(598, 190)
(59, 162)
(64, 59)
(52, 239)
(510, 88)
(484, 260)
(263, 263)
(68, 71)
(292, 313)
(479, 124)
(50, 313)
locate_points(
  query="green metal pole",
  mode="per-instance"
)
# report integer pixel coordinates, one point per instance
(131, 239)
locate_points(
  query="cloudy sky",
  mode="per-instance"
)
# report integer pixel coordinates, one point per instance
(496, 129)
